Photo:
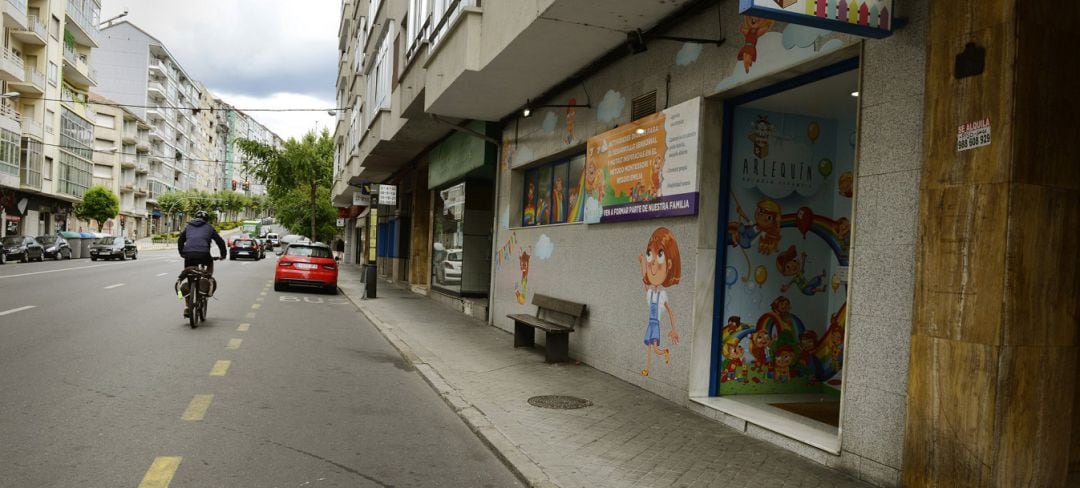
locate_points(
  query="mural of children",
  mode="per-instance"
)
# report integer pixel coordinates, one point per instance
(594, 180)
(846, 184)
(752, 28)
(793, 265)
(733, 352)
(528, 215)
(571, 114)
(521, 290)
(767, 219)
(760, 341)
(843, 231)
(807, 348)
(661, 267)
(761, 131)
(657, 176)
(558, 210)
(785, 357)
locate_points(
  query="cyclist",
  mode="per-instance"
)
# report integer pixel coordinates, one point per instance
(194, 245)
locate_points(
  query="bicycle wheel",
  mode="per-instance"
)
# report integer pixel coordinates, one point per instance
(203, 302)
(193, 311)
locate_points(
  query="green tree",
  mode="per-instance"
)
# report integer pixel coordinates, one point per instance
(293, 211)
(100, 204)
(306, 164)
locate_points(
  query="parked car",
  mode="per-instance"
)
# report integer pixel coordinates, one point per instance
(243, 247)
(112, 247)
(56, 247)
(449, 268)
(284, 242)
(262, 244)
(23, 248)
(307, 265)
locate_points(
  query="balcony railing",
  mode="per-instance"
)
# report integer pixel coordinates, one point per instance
(87, 21)
(14, 62)
(69, 95)
(34, 77)
(10, 119)
(35, 25)
(106, 182)
(31, 127)
(446, 19)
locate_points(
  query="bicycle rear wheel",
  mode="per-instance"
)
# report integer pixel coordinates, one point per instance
(202, 307)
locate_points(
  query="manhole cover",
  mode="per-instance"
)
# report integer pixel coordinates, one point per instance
(561, 402)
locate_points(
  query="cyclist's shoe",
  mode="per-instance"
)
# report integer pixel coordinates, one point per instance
(187, 312)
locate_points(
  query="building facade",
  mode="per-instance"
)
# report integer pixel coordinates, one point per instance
(771, 224)
(122, 164)
(46, 126)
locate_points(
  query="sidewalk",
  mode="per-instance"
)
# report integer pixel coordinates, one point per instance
(628, 437)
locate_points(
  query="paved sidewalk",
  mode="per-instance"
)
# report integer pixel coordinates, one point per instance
(628, 437)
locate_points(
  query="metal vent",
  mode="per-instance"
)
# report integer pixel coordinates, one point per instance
(643, 105)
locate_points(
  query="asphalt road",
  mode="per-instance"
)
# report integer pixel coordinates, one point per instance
(103, 384)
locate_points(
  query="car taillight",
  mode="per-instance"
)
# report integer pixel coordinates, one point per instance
(284, 263)
(330, 267)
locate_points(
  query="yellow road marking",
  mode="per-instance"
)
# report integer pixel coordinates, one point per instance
(243, 328)
(249, 315)
(262, 294)
(196, 410)
(234, 344)
(255, 306)
(161, 472)
(220, 368)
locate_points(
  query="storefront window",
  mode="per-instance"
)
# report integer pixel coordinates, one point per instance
(551, 193)
(448, 238)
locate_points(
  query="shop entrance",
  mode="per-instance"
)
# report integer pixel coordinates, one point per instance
(782, 279)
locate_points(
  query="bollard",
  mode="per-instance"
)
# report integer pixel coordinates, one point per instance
(370, 279)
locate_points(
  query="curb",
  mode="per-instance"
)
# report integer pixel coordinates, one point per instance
(526, 470)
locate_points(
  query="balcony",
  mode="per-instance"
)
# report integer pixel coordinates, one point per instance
(128, 160)
(142, 140)
(35, 34)
(155, 136)
(15, 14)
(11, 66)
(486, 70)
(142, 164)
(10, 119)
(77, 71)
(30, 164)
(32, 127)
(84, 25)
(155, 90)
(106, 182)
(33, 82)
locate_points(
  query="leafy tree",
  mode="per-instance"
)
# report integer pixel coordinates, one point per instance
(170, 203)
(306, 164)
(294, 213)
(99, 203)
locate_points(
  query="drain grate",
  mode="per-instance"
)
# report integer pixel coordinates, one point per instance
(560, 402)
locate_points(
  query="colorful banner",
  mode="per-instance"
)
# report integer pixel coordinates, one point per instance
(867, 18)
(644, 169)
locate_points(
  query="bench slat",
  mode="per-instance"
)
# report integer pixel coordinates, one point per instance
(559, 305)
(544, 325)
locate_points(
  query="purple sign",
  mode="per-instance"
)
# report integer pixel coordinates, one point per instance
(669, 206)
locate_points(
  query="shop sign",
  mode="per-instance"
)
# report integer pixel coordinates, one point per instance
(973, 134)
(867, 18)
(359, 199)
(340, 222)
(387, 195)
(645, 169)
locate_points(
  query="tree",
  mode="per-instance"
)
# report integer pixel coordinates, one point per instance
(294, 213)
(100, 204)
(307, 164)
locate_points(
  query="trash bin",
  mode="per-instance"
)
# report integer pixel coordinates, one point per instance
(371, 277)
(88, 238)
(74, 240)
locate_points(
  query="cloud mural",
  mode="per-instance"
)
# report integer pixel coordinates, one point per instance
(550, 119)
(544, 248)
(611, 107)
(688, 54)
(796, 35)
(773, 56)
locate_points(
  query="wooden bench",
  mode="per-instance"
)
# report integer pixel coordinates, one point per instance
(554, 316)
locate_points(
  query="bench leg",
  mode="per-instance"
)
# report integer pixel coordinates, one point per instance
(558, 348)
(524, 335)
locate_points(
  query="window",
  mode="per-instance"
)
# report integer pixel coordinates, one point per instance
(553, 193)
(107, 121)
(47, 170)
(76, 151)
(9, 152)
(53, 73)
(419, 22)
(54, 28)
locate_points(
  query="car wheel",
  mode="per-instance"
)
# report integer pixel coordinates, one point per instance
(123, 257)
(232, 258)
(25, 257)
(3, 257)
(331, 290)
(41, 257)
(93, 259)
(278, 286)
(135, 255)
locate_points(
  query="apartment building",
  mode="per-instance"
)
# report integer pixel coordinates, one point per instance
(232, 125)
(122, 164)
(756, 195)
(137, 70)
(46, 126)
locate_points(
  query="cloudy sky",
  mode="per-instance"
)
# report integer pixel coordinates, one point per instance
(251, 53)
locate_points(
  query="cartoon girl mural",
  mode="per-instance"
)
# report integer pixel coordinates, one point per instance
(657, 176)
(558, 210)
(765, 227)
(528, 215)
(571, 114)
(521, 290)
(733, 352)
(661, 267)
(752, 28)
(793, 265)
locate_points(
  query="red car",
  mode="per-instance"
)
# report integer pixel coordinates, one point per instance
(308, 265)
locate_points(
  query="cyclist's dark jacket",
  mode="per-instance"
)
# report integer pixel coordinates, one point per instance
(196, 238)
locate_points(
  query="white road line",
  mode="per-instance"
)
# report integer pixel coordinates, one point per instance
(118, 285)
(73, 269)
(162, 274)
(20, 309)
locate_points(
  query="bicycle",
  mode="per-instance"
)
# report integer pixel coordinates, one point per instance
(197, 295)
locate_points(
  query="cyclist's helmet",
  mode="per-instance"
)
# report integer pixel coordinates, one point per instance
(202, 215)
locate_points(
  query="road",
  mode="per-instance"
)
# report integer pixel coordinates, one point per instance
(103, 384)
